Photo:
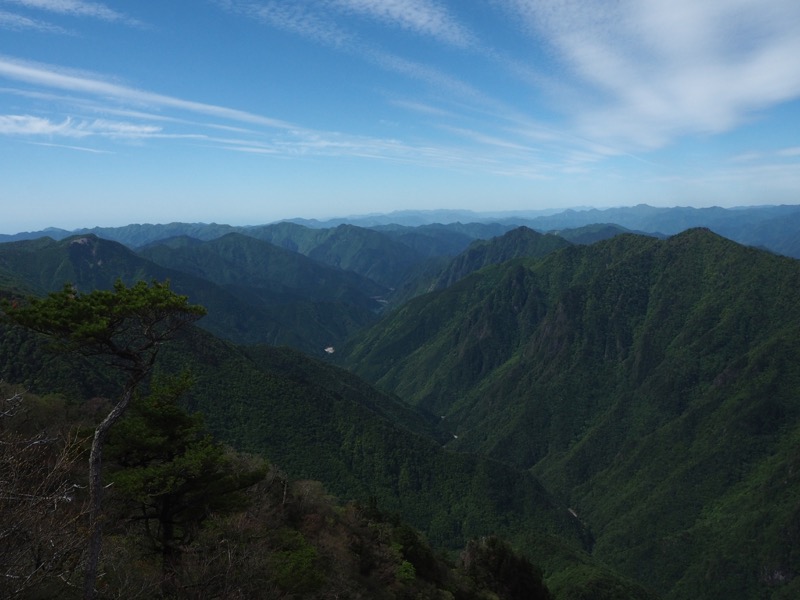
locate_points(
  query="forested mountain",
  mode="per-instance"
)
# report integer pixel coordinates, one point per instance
(589, 234)
(517, 243)
(651, 384)
(279, 276)
(363, 251)
(623, 408)
(243, 283)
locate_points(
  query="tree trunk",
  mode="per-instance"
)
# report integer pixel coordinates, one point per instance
(169, 555)
(96, 487)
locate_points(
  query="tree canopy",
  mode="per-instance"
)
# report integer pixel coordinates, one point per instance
(125, 326)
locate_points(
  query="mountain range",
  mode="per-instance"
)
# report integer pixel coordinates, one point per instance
(775, 228)
(618, 398)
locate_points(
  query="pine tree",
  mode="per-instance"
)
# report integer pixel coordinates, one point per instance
(124, 328)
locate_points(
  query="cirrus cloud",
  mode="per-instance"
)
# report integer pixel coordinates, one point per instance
(654, 71)
(75, 8)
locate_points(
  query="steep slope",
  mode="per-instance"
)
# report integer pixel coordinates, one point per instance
(441, 272)
(652, 384)
(319, 422)
(517, 243)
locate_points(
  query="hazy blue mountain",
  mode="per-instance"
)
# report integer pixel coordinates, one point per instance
(772, 227)
(416, 218)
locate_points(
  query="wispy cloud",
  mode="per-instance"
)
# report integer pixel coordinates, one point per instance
(76, 8)
(322, 22)
(28, 125)
(487, 139)
(72, 147)
(419, 16)
(155, 116)
(790, 152)
(53, 77)
(294, 17)
(328, 21)
(782, 153)
(421, 107)
(13, 21)
(654, 71)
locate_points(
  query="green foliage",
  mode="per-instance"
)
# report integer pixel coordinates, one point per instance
(492, 563)
(294, 566)
(321, 422)
(359, 442)
(406, 572)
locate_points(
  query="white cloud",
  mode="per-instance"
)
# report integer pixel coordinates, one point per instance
(27, 125)
(656, 70)
(76, 8)
(54, 77)
(90, 92)
(421, 107)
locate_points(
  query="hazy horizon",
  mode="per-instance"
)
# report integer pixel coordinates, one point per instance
(254, 111)
(443, 216)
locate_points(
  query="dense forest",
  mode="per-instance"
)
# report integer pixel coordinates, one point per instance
(483, 410)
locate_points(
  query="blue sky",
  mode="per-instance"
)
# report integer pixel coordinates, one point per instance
(250, 111)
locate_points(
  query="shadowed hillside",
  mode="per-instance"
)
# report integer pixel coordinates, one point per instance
(244, 284)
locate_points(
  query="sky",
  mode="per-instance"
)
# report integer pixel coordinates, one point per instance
(251, 111)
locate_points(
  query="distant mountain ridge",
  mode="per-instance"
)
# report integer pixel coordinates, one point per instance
(776, 228)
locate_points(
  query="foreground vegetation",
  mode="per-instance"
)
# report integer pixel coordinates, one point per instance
(189, 518)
